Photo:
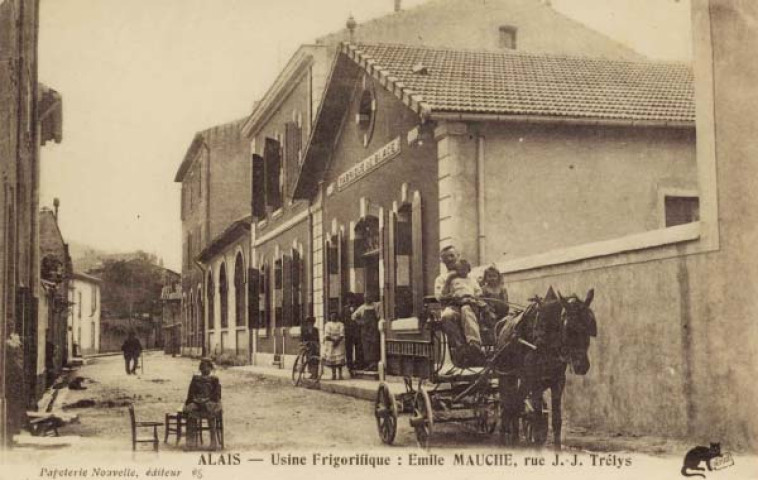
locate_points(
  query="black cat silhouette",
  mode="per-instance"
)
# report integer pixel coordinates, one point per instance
(700, 454)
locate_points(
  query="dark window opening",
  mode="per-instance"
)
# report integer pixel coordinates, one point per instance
(211, 293)
(681, 210)
(223, 291)
(508, 37)
(239, 291)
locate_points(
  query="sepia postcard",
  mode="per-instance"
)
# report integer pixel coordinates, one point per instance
(378, 238)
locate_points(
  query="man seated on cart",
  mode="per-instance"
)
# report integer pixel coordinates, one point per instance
(460, 295)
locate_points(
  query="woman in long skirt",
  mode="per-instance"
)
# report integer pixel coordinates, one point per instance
(334, 345)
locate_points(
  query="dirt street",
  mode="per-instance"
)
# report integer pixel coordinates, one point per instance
(263, 414)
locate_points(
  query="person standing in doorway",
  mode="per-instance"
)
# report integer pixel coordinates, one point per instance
(367, 317)
(353, 347)
(132, 349)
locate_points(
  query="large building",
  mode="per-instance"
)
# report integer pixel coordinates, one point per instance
(289, 232)
(215, 179)
(30, 114)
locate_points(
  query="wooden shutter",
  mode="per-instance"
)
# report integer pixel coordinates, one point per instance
(391, 264)
(297, 288)
(286, 291)
(417, 255)
(259, 187)
(272, 162)
(293, 142)
(253, 298)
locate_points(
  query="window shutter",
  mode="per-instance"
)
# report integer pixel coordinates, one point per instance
(259, 187)
(253, 295)
(417, 256)
(293, 143)
(286, 291)
(390, 270)
(272, 162)
(297, 288)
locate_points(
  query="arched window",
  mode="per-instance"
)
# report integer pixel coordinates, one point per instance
(239, 291)
(223, 292)
(211, 293)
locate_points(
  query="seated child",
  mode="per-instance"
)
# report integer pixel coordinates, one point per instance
(203, 401)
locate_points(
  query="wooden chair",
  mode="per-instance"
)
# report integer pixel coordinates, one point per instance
(203, 425)
(175, 423)
(137, 437)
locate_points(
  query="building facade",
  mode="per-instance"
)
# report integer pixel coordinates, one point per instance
(53, 352)
(288, 232)
(84, 315)
(225, 265)
(32, 115)
(215, 186)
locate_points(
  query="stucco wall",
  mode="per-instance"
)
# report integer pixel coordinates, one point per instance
(556, 186)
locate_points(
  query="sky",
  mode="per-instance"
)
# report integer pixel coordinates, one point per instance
(140, 77)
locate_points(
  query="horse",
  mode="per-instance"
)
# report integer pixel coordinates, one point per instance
(552, 333)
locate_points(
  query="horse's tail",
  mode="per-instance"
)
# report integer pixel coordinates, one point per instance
(686, 474)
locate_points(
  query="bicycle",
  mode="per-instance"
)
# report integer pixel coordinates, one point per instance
(307, 369)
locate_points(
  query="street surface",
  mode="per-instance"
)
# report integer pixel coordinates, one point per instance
(265, 414)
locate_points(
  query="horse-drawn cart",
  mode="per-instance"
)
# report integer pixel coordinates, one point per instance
(435, 390)
(529, 355)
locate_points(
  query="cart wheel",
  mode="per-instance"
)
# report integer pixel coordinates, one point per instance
(296, 369)
(486, 412)
(385, 411)
(423, 418)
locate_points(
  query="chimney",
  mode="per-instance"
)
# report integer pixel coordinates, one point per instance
(56, 204)
(351, 24)
(398, 5)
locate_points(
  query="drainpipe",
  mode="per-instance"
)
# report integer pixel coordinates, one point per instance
(480, 207)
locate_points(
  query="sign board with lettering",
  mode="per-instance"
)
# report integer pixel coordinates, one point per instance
(366, 166)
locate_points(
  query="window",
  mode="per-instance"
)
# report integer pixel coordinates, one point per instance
(278, 284)
(263, 297)
(366, 114)
(94, 299)
(211, 293)
(223, 290)
(403, 263)
(79, 309)
(273, 173)
(681, 209)
(508, 37)
(239, 291)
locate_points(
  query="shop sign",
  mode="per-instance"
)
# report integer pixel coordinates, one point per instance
(364, 167)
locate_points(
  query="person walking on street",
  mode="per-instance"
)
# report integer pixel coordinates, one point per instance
(132, 349)
(334, 345)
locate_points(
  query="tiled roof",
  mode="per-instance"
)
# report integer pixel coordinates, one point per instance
(517, 84)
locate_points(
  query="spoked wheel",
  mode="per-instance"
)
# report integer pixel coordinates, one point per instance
(486, 413)
(385, 411)
(423, 418)
(310, 378)
(297, 368)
